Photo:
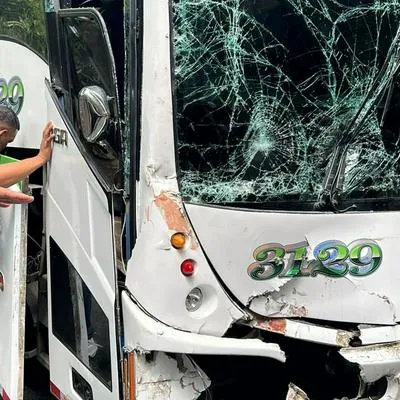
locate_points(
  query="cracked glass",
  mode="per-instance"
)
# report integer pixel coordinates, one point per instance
(275, 98)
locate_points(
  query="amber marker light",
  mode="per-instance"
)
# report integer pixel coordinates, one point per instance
(178, 240)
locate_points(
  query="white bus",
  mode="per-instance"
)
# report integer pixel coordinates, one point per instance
(220, 216)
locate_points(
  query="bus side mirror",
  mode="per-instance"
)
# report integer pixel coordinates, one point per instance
(94, 112)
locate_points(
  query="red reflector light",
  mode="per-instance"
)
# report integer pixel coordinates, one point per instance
(55, 391)
(187, 267)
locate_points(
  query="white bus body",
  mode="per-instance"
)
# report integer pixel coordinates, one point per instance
(120, 310)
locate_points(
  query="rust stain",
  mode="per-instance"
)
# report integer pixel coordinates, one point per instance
(174, 217)
(277, 325)
(273, 325)
(172, 214)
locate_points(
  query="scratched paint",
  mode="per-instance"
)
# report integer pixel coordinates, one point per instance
(172, 211)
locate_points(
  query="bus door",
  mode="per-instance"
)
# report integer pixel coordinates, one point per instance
(13, 230)
(82, 102)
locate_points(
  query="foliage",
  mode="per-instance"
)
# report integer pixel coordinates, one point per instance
(24, 20)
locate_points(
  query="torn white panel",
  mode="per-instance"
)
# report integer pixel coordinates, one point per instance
(370, 299)
(375, 361)
(324, 300)
(167, 378)
(279, 307)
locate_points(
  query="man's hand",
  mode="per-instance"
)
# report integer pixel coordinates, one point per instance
(46, 145)
(8, 197)
(12, 173)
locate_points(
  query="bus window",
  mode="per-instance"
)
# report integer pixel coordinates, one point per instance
(89, 62)
(78, 321)
(23, 21)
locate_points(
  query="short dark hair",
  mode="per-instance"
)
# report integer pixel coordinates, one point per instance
(8, 117)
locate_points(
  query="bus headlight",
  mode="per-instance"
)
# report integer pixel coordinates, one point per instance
(194, 300)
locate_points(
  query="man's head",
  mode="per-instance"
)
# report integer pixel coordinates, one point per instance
(9, 126)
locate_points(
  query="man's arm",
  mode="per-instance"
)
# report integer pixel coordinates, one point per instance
(17, 171)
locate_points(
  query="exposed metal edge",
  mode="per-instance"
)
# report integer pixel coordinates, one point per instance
(304, 331)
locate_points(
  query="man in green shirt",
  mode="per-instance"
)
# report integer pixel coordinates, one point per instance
(14, 172)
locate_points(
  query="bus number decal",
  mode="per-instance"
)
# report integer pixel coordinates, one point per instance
(12, 93)
(330, 258)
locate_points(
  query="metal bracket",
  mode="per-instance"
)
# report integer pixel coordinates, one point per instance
(60, 136)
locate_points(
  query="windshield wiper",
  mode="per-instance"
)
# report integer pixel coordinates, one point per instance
(329, 199)
(333, 184)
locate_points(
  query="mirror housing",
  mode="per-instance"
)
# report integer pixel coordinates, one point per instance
(94, 112)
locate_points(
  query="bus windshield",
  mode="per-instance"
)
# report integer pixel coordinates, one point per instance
(265, 91)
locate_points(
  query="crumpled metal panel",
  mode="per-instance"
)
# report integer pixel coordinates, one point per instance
(167, 378)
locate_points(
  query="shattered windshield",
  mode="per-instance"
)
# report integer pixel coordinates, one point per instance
(266, 89)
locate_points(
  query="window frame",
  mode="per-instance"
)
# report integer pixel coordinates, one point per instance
(53, 249)
(61, 88)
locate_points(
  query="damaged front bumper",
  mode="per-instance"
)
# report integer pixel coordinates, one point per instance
(144, 334)
(377, 362)
(374, 361)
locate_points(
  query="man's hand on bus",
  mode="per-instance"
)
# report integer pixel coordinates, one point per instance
(8, 197)
(46, 145)
(12, 173)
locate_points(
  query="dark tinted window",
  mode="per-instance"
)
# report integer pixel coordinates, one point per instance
(24, 20)
(89, 54)
(77, 319)
(89, 61)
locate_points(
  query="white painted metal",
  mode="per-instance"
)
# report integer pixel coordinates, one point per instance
(305, 331)
(78, 220)
(158, 171)
(372, 299)
(13, 225)
(379, 334)
(17, 60)
(145, 333)
(154, 261)
(375, 361)
(393, 389)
